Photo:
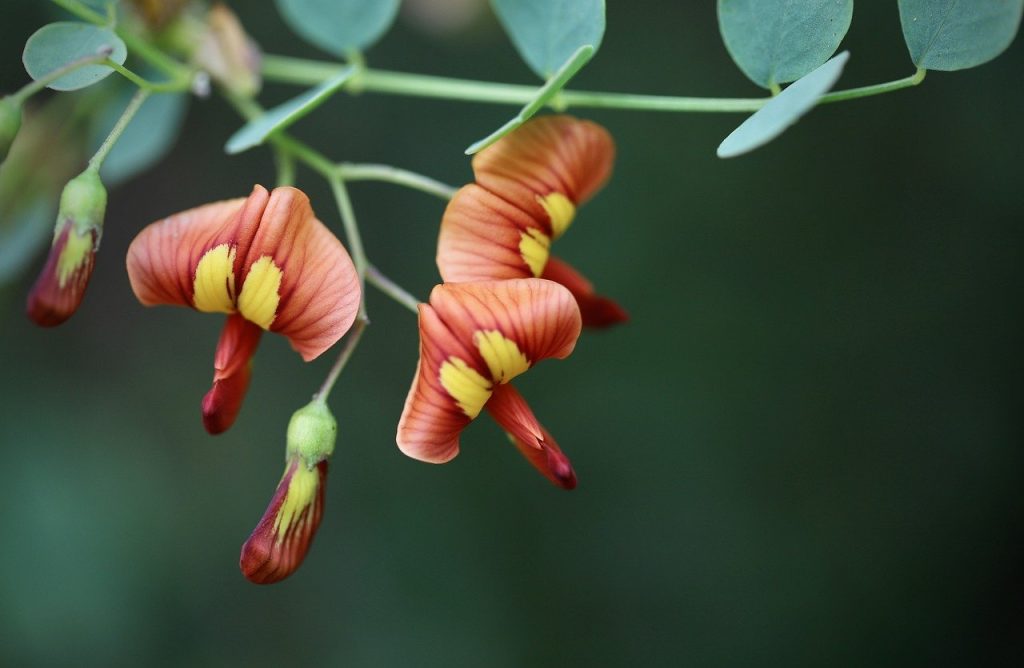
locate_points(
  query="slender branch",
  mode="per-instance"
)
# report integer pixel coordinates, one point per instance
(175, 85)
(351, 171)
(378, 280)
(33, 87)
(351, 341)
(877, 89)
(285, 167)
(355, 240)
(126, 117)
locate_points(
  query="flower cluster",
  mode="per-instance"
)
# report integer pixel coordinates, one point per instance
(268, 264)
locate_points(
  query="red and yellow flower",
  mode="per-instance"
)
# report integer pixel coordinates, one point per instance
(268, 263)
(528, 187)
(474, 339)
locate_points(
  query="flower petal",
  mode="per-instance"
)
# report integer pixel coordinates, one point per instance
(232, 370)
(193, 258)
(483, 237)
(298, 280)
(474, 336)
(510, 410)
(61, 284)
(282, 538)
(548, 154)
(597, 311)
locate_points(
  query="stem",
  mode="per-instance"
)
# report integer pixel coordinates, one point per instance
(351, 341)
(351, 171)
(33, 87)
(378, 280)
(355, 241)
(172, 86)
(877, 89)
(133, 106)
(310, 72)
(285, 167)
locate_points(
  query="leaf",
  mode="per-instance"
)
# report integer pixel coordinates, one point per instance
(778, 42)
(546, 33)
(958, 34)
(339, 26)
(783, 110)
(256, 131)
(59, 44)
(556, 83)
(146, 140)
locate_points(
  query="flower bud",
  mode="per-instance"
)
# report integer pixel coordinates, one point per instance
(61, 285)
(280, 541)
(230, 56)
(10, 123)
(312, 432)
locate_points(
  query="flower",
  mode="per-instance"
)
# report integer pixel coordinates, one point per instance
(528, 186)
(61, 285)
(474, 339)
(284, 534)
(268, 263)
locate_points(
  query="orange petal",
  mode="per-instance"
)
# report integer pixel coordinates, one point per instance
(541, 317)
(298, 279)
(597, 311)
(474, 336)
(61, 284)
(164, 258)
(480, 238)
(548, 154)
(509, 409)
(282, 538)
(232, 370)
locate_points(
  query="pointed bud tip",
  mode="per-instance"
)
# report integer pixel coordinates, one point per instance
(61, 285)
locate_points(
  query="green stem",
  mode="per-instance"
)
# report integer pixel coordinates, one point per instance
(310, 72)
(355, 241)
(351, 341)
(172, 86)
(33, 87)
(285, 167)
(877, 89)
(378, 280)
(351, 171)
(133, 106)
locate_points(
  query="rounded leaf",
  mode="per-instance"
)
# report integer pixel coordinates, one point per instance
(776, 43)
(339, 26)
(59, 44)
(955, 35)
(548, 33)
(783, 110)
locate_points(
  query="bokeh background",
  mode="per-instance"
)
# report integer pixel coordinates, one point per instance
(805, 449)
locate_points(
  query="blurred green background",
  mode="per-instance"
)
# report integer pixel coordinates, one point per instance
(805, 449)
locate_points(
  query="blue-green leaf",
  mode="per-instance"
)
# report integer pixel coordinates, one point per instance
(58, 44)
(544, 94)
(958, 34)
(339, 26)
(146, 140)
(778, 42)
(256, 131)
(783, 110)
(548, 32)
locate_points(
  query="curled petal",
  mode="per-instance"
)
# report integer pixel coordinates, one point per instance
(597, 311)
(193, 258)
(232, 370)
(61, 285)
(282, 538)
(298, 280)
(510, 410)
(473, 337)
(548, 154)
(484, 237)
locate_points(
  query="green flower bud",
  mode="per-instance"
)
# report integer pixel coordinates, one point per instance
(83, 203)
(10, 123)
(311, 433)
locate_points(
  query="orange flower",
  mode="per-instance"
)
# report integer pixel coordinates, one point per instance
(528, 186)
(268, 263)
(474, 339)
